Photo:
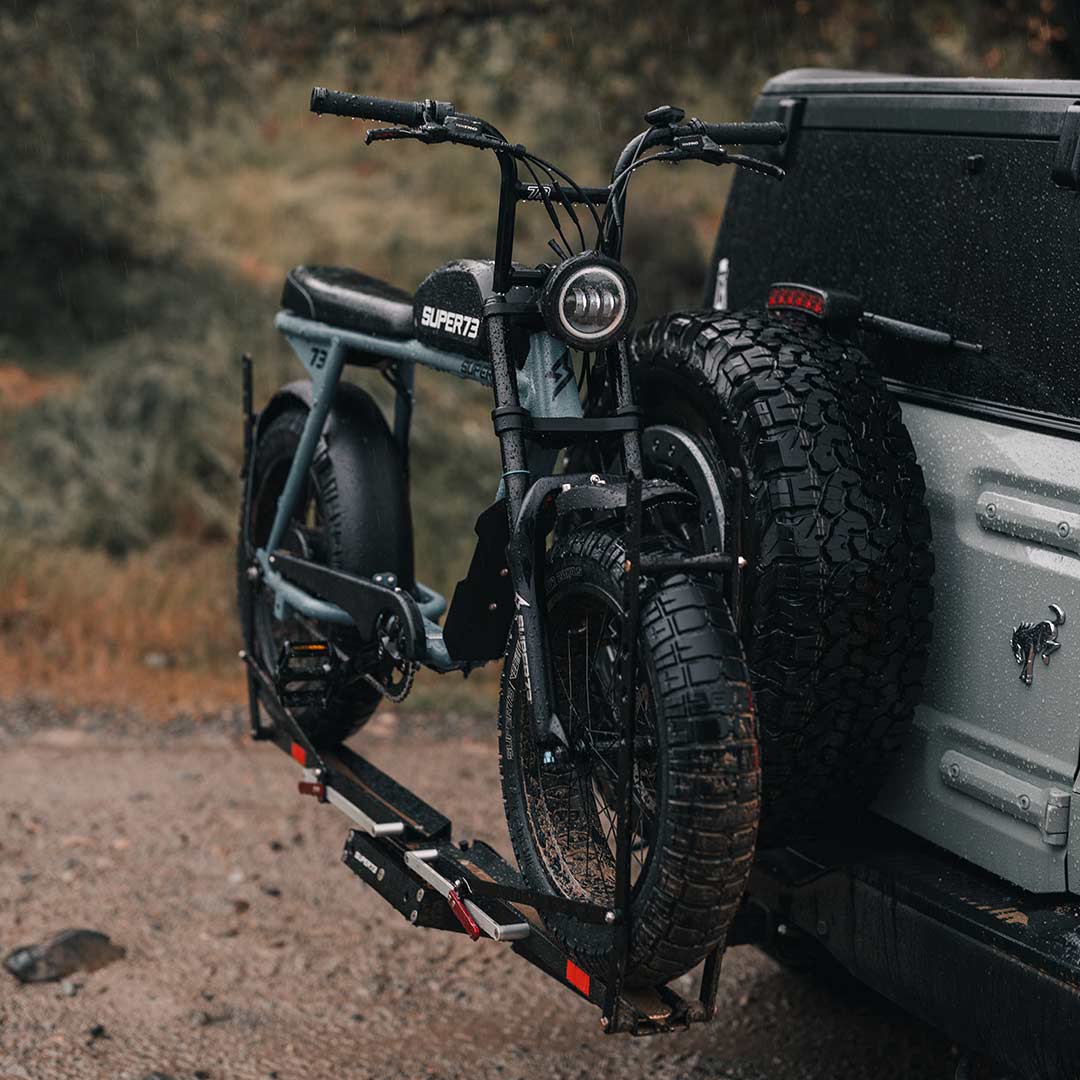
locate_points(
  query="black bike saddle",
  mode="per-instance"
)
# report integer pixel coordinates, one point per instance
(346, 298)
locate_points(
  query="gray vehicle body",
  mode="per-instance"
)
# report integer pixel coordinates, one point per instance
(953, 204)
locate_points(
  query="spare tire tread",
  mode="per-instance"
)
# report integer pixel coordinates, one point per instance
(840, 594)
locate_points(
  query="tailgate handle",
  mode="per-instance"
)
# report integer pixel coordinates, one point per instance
(1026, 519)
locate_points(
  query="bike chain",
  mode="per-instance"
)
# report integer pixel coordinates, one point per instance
(410, 671)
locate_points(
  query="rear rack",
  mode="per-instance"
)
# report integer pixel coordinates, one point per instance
(404, 849)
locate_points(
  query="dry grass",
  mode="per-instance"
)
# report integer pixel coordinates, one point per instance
(20, 389)
(156, 633)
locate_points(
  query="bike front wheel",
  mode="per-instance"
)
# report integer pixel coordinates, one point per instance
(695, 800)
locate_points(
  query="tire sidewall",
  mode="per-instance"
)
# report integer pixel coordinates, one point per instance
(591, 943)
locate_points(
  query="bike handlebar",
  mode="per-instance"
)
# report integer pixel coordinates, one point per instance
(360, 107)
(750, 133)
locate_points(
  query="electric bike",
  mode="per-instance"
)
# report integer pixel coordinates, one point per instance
(627, 739)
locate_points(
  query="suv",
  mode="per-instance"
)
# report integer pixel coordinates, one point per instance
(933, 225)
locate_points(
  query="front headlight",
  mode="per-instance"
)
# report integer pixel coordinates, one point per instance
(589, 301)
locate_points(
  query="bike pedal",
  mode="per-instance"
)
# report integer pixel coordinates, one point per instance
(306, 673)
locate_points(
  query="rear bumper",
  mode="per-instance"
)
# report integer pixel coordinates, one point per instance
(995, 968)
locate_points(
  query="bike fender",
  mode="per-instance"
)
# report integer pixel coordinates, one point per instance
(366, 461)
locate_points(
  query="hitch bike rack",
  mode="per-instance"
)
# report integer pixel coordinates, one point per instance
(403, 848)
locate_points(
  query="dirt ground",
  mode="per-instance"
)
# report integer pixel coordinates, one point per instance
(252, 953)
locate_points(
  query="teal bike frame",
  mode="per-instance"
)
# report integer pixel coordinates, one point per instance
(324, 352)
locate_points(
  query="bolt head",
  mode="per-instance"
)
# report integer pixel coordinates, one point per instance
(991, 509)
(609, 918)
(503, 572)
(1063, 529)
(822, 928)
(253, 572)
(419, 895)
(413, 916)
(493, 606)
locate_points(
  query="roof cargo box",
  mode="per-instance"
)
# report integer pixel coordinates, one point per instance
(952, 203)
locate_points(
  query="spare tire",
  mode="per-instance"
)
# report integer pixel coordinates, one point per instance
(837, 597)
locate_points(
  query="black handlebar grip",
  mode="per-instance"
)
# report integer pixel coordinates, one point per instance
(758, 133)
(388, 110)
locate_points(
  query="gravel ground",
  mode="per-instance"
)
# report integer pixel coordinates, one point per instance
(252, 953)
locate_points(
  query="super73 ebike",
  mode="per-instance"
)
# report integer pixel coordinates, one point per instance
(627, 736)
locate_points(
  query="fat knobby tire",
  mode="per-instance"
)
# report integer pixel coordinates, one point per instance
(707, 778)
(838, 595)
(351, 706)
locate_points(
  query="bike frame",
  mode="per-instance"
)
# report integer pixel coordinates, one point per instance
(527, 407)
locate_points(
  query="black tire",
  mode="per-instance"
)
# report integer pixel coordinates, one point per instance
(838, 597)
(334, 524)
(696, 777)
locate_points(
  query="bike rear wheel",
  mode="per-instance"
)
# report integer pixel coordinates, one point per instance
(318, 530)
(695, 783)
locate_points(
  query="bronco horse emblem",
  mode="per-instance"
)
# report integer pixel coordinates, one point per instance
(1039, 638)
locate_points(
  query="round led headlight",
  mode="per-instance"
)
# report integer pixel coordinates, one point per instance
(589, 301)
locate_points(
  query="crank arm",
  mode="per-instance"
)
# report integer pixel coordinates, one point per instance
(361, 598)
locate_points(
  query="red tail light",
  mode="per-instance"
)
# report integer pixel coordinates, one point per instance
(797, 298)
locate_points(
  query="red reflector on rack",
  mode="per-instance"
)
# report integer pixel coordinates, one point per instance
(797, 298)
(577, 978)
(461, 913)
(298, 753)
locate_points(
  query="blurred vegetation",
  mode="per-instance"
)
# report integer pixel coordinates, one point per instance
(163, 172)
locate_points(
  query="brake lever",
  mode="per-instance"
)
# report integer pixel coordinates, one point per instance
(385, 134)
(766, 168)
(467, 131)
(702, 147)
